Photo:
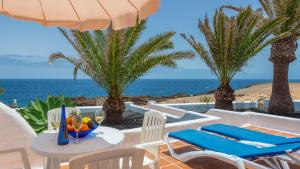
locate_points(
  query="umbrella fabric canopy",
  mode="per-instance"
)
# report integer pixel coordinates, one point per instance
(81, 14)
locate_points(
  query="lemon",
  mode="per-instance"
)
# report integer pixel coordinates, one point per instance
(86, 120)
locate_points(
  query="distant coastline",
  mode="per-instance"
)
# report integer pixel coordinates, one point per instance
(162, 90)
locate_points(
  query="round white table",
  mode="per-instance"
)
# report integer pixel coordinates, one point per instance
(54, 154)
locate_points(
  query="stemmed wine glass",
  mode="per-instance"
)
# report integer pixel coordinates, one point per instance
(55, 122)
(99, 117)
(77, 124)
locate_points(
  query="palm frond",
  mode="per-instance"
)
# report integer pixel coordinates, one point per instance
(70, 40)
(76, 62)
(133, 34)
(113, 59)
(143, 66)
(232, 40)
(99, 39)
(289, 9)
(203, 53)
(156, 44)
(268, 7)
(232, 7)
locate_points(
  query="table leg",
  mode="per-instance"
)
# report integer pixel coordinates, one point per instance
(52, 163)
(47, 163)
(55, 164)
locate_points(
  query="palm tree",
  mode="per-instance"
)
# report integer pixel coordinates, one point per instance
(283, 51)
(231, 42)
(113, 60)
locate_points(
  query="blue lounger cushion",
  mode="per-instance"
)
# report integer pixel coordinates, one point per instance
(220, 144)
(247, 134)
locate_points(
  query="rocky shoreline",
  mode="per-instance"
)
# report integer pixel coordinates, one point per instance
(138, 100)
(250, 93)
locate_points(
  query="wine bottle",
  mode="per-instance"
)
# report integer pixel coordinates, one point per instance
(63, 136)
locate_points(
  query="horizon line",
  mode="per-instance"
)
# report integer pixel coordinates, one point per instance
(138, 79)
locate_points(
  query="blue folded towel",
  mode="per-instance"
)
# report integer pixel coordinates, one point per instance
(249, 135)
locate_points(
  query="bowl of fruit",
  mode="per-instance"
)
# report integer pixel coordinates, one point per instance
(88, 125)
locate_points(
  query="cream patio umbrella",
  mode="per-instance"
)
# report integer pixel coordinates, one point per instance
(81, 14)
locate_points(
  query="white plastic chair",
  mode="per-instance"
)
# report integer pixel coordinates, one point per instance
(152, 136)
(124, 158)
(57, 111)
(16, 137)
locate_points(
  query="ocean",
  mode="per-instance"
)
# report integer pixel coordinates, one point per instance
(26, 90)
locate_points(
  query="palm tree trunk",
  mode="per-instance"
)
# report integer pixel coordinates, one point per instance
(114, 108)
(282, 54)
(224, 96)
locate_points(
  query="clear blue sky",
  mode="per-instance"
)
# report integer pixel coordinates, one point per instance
(25, 46)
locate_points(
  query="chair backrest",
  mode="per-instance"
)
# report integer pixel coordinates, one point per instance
(152, 131)
(153, 127)
(15, 132)
(124, 158)
(58, 112)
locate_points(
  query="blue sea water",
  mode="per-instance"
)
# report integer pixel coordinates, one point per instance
(26, 90)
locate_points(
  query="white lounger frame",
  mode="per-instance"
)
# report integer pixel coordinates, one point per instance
(240, 163)
(288, 157)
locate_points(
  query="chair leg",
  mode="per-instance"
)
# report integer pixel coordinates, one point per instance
(156, 165)
(276, 163)
(155, 152)
(271, 163)
(157, 158)
(25, 159)
(284, 164)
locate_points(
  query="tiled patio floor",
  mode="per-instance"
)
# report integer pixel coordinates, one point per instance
(168, 162)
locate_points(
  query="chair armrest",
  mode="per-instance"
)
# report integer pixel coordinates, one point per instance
(11, 150)
(150, 144)
(23, 153)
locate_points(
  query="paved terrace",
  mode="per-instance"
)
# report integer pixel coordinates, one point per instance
(168, 162)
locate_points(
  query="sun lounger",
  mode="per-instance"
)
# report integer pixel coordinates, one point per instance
(239, 133)
(239, 154)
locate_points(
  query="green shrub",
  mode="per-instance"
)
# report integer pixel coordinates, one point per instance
(36, 111)
(1, 91)
(205, 99)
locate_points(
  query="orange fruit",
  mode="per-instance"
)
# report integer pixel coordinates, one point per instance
(84, 127)
(70, 127)
(69, 120)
